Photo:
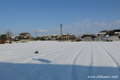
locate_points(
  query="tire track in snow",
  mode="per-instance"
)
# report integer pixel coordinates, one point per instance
(74, 74)
(90, 70)
(36, 69)
(68, 51)
(91, 64)
(52, 51)
(56, 49)
(78, 55)
(57, 55)
(21, 54)
(16, 54)
(113, 48)
(112, 58)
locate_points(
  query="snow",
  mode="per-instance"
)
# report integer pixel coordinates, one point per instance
(60, 61)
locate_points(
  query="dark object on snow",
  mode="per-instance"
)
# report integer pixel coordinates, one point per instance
(36, 52)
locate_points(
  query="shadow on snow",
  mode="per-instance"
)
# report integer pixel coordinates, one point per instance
(22, 71)
(42, 60)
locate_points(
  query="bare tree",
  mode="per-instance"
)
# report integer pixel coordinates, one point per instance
(9, 34)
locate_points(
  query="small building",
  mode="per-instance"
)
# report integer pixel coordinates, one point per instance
(25, 35)
(55, 37)
(116, 32)
(102, 34)
(67, 37)
(46, 37)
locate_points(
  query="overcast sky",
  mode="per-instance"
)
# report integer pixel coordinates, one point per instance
(45, 16)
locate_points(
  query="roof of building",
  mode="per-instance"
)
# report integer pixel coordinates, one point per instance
(24, 33)
(55, 35)
(102, 33)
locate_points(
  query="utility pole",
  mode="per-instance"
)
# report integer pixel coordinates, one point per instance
(61, 29)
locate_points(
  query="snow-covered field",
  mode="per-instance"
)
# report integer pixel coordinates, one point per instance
(60, 61)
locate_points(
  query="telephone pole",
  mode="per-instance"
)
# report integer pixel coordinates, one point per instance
(61, 29)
